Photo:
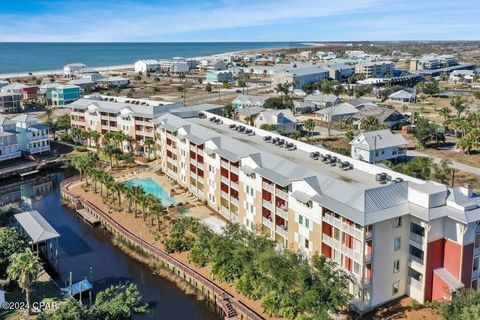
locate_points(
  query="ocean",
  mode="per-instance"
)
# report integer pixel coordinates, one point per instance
(23, 57)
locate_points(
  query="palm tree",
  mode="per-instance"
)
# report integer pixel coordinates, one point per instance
(459, 104)
(109, 151)
(95, 137)
(76, 135)
(295, 135)
(24, 268)
(156, 209)
(310, 126)
(369, 123)
(137, 193)
(444, 112)
(148, 143)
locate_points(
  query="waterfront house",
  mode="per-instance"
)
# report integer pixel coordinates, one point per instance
(84, 83)
(283, 120)
(45, 92)
(146, 66)
(378, 145)
(72, 69)
(65, 94)
(14, 87)
(10, 102)
(33, 137)
(8, 140)
(394, 235)
(219, 77)
(216, 65)
(245, 101)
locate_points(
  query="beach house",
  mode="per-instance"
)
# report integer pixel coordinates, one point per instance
(72, 69)
(8, 140)
(10, 102)
(218, 77)
(146, 66)
(378, 145)
(283, 120)
(245, 101)
(65, 94)
(33, 137)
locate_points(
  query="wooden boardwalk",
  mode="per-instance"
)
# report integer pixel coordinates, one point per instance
(231, 307)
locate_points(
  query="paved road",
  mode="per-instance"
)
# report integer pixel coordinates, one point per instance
(456, 165)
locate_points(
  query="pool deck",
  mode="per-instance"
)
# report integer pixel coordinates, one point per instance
(196, 208)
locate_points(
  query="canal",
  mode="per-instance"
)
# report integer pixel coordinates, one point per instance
(89, 252)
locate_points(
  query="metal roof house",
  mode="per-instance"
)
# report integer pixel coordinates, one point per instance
(402, 96)
(378, 145)
(282, 119)
(336, 113)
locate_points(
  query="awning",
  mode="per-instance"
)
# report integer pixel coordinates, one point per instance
(448, 278)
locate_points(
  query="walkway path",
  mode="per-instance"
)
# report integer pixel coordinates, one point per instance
(455, 164)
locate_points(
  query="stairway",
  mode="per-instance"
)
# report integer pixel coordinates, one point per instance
(231, 313)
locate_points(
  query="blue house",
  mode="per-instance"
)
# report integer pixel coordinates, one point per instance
(65, 94)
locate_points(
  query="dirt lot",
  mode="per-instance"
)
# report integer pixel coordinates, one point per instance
(402, 309)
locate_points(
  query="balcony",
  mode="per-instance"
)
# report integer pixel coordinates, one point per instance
(234, 170)
(331, 242)
(267, 187)
(225, 212)
(234, 201)
(200, 180)
(234, 185)
(476, 251)
(225, 164)
(366, 281)
(39, 149)
(351, 253)
(268, 205)
(12, 155)
(193, 161)
(415, 262)
(282, 230)
(416, 237)
(415, 283)
(367, 258)
(282, 212)
(332, 221)
(225, 195)
(267, 222)
(368, 234)
(200, 152)
(193, 175)
(225, 180)
(282, 194)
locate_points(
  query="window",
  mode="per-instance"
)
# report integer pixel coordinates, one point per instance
(395, 287)
(307, 243)
(397, 244)
(398, 222)
(307, 223)
(356, 268)
(300, 219)
(417, 253)
(396, 266)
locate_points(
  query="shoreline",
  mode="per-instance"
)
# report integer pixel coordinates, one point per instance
(222, 55)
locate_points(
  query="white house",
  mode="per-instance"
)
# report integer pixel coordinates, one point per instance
(73, 69)
(145, 66)
(244, 101)
(216, 65)
(336, 113)
(461, 76)
(8, 140)
(402, 96)
(115, 81)
(283, 119)
(322, 100)
(33, 137)
(378, 145)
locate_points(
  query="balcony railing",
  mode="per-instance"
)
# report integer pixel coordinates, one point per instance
(366, 281)
(224, 164)
(234, 185)
(193, 175)
(416, 237)
(234, 169)
(225, 195)
(268, 205)
(368, 234)
(267, 187)
(200, 180)
(234, 201)
(415, 283)
(225, 180)
(39, 149)
(368, 257)
(193, 161)
(225, 212)
(282, 194)
(267, 222)
(413, 259)
(281, 231)
(332, 221)
(282, 212)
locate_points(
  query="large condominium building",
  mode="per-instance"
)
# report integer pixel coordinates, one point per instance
(395, 235)
(375, 69)
(109, 116)
(299, 76)
(8, 140)
(10, 102)
(33, 137)
(433, 61)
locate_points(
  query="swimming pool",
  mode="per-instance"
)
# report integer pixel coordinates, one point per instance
(151, 186)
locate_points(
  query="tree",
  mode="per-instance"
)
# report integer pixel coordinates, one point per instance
(420, 167)
(465, 305)
(149, 143)
(229, 111)
(284, 102)
(64, 122)
(445, 113)
(208, 87)
(425, 132)
(10, 242)
(119, 302)
(369, 123)
(430, 87)
(476, 94)
(283, 88)
(310, 126)
(24, 268)
(362, 90)
(459, 104)
(268, 127)
(296, 135)
(441, 172)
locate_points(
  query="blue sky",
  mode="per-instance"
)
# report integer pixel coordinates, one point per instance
(240, 20)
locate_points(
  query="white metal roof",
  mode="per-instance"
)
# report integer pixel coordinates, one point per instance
(37, 228)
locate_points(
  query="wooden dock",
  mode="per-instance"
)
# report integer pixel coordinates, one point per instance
(87, 216)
